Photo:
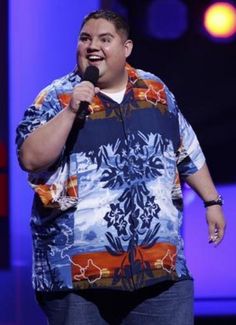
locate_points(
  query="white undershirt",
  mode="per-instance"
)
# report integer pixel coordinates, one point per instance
(117, 96)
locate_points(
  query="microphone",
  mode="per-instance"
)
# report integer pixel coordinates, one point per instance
(91, 74)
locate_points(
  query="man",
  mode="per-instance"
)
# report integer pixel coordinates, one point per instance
(107, 209)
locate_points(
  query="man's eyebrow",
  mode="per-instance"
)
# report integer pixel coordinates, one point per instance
(106, 34)
(100, 35)
(84, 34)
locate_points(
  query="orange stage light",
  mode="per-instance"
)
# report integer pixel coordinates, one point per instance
(220, 20)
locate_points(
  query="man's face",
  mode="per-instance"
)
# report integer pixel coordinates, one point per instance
(102, 46)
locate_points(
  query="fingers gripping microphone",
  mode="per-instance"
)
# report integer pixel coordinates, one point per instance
(91, 74)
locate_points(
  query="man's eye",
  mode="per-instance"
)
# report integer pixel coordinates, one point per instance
(106, 40)
(84, 38)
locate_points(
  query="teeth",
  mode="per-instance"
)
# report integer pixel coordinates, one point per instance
(94, 57)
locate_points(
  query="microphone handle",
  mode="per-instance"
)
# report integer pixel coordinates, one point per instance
(83, 111)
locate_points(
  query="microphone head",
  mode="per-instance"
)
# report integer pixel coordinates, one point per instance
(91, 74)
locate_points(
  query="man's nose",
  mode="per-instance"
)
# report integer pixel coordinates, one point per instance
(94, 44)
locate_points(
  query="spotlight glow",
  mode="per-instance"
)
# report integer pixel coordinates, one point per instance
(220, 20)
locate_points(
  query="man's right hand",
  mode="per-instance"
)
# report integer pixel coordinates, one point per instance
(84, 92)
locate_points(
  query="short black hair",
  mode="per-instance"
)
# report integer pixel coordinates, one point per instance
(117, 20)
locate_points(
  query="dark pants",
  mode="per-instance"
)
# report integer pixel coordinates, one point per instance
(163, 304)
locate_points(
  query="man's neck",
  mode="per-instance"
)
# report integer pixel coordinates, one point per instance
(115, 86)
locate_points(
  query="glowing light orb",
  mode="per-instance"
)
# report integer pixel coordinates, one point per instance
(220, 20)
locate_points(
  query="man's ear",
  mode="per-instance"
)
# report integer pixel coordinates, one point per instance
(128, 47)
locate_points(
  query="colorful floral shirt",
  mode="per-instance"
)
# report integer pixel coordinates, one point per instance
(108, 213)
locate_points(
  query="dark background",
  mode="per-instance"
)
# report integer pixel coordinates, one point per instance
(4, 220)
